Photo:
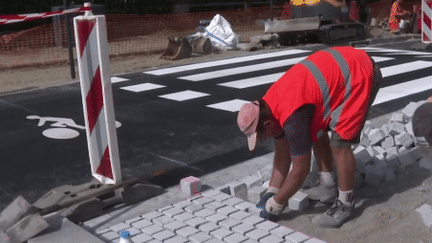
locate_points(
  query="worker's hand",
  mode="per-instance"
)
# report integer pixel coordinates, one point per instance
(261, 204)
(272, 210)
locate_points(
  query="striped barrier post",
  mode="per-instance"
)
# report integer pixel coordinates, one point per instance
(426, 21)
(96, 90)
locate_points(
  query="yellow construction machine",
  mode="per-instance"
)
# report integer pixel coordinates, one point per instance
(328, 20)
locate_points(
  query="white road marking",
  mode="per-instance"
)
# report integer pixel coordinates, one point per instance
(196, 66)
(184, 95)
(231, 105)
(255, 81)
(118, 79)
(404, 68)
(403, 89)
(142, 87)
(382, 59)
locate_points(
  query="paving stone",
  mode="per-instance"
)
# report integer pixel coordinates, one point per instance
(238, 189)
(266, 184)
(162, 220)
(272, 239)
(204, 213)
(133, 231)
(252, 181)
(244, 205)
(203, 200)
(120, 226)
(393, 161)
(250, 241)
(425, 214)
(183, 204)
(267, 225)
(109, 236)
(216, 218)
(297, 237)
(224, 189)
(397, 117)
(314, 240)
(163, 235)
(214, 240)
(102, 231)
(253, 220)
(257, 234)
(235, 238)
(173, 211)
(243, 228)
(152, 229)
(396, 128)
(364, 140)
(151, 215)
(409, 157)
(208, 227)
(221, 196)
(190, 185)
(176, 239)
(133, 220)
(154, 241)
(378, 150)
(196, 222)
(405, 139)
(140, 238)
(254, 211)
(227, 210)
(141, 224)
(221, 233)
(183, 216)
(161, 210)
(214, 205)
(193, 208)
(409, 110)
(229, 223)
(376, 135)
(409, 128)
(361, 154)
(232, 201)
(298, 201)
(200, 237)
(211, 193)
(187, 231)
(175, 225)
(240, 215)
(281, 231)
(388, 143)
(256, 193)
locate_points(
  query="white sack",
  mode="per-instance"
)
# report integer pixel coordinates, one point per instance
(220, 33)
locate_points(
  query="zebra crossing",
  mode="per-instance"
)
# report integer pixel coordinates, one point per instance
(404, 73)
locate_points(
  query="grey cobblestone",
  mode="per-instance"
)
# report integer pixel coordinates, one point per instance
(214, 205)
(195, 222)
(253, 220)
(221, 196)
(200, 237)
(282, 231)
(151, 215)
(175, 225)
(141, 224)
(143, 237)
(203, 200)
(102, 231)
(235, 238)
(267, 225)
(193, 208)
(227, 210)
(183, 216)
(240, 215)
(257, 234)
(314, 240)
(161, 210)
(214, 240)
(173, 211)
(297, 237)
(133, 231)
(118, 227)
(176, 239)
(244, 205)
(232, 201)
(183, 204)
(130, 221)
(204, 213)
(152, 229)
(243, 228)
(154, 241)
(272, 239)
(221, 233)
(229, 223)
(254, 210)
(216, 218)
(187, 231)
(162, 220)
(211, 193)
(163, 235)
(109, 236)
(250, 241)
(208, 227)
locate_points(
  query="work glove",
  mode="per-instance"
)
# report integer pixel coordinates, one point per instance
(261, 204)
(271, 210)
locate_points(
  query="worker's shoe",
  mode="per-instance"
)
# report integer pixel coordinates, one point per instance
(335, 216)
(323, 193)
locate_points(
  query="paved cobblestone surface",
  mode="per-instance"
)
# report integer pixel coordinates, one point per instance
(212, 217)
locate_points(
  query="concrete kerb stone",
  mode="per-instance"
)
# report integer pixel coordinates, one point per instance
(425, 214)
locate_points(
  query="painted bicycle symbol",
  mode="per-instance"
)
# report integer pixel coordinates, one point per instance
(62, 127)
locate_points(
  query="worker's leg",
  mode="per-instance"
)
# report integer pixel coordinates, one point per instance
(345, 166)
(323, 154)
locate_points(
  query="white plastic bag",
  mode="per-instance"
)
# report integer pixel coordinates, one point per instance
(220, 33)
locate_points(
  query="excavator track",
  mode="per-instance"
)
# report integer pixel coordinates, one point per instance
(337, 33)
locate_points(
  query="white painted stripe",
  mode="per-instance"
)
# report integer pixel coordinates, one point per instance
(184, 95)
(376, 49)
(142, 87)
(255, 81)
(382, 59)
(98, 140)
(224, 62)
(403, 89)
(90, 61)
(231, 105)
(240, 70)
(118, 79)
(404, 68)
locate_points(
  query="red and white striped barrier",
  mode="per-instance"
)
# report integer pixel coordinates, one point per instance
(426, 21)
(94, 71)
(14, 18)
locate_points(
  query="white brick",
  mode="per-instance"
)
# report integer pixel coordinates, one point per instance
(193, 208)
(409, 157)
(227, 210)
(183, 216)
(266, 184)
(203, 200)
(176, 239)
(174, 226)
(243, 228)
(388, 143)
(232, 201)
(362, 154)
(152, 229)
(214, 205)
(143, 237)
(208, 227)
(161, 210)
(265, 173)
(425, 213)
(190, 185)
(183, 204)
(240, 215)
(314, 240)
(397, 117)
(282, 231)
(364, 140)
(409, 128)
(229, 223)
(163, 235)
(151, 215)
(297, 237)
(214, 240)
(195, 222)
(257, 234)
(235, 238)
(238, 189)
(409, 110)
(173, 211)
(221, 196)
(378, 150)
(405, 139)
(272, 239)
(376, 135)
(187, 231)
(162, 220)
(386, 129)
(200, 237)
(216, 218)
(118, 227)
(210, 193)
(204, 213)
(254, 210)
(141, 223)
(244, 206)
(133, 220)
(110, 236)
(256, 193)
(221, 233)
(253, 220)
(396, 128)
(299, 201)
(267, 225)
(252, 181)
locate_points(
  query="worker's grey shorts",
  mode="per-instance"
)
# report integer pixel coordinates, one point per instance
(335, 139)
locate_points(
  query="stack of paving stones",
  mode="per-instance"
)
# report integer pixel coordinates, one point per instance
(386, 151)
(220, 215)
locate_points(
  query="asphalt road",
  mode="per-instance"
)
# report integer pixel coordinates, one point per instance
(174, 122)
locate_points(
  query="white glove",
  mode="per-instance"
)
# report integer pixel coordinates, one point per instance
(273, 207)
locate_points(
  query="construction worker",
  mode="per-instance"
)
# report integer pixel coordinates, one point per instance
(331, 90)
(396, 14)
